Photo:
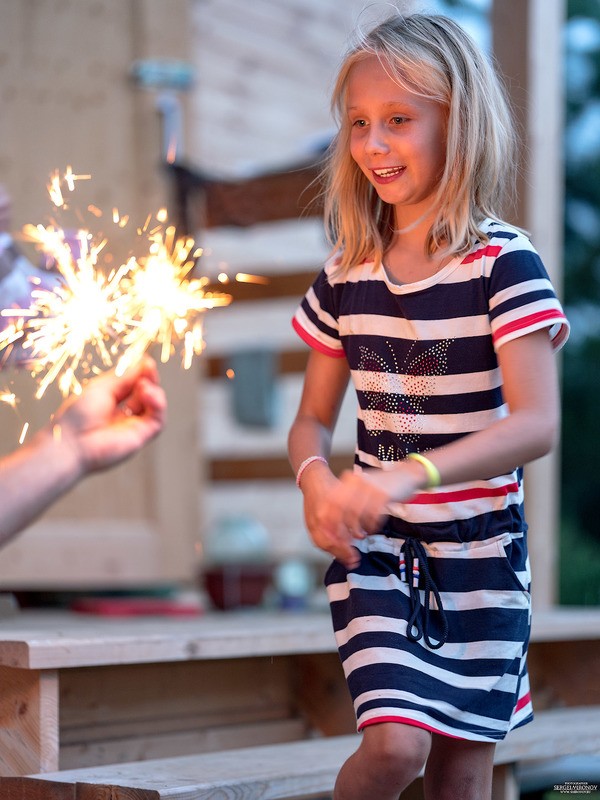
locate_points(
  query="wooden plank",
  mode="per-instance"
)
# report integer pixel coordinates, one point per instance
(262, 323)
(121, 700)
(243, 202)
(16, 788)
(549, 663)
(289, 362)
(504, 783)
(48, 640)
(98, 752)
(267, 286)
(60, 639)
(269, 468)
(527, 43)
(269, 248)
(323, 695)
(28, 721)
(276, 504)
(225, 436)
(296, 769)
(565, 623)
(271, 196)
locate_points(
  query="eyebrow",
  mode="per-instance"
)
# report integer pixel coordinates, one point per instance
(390, 104)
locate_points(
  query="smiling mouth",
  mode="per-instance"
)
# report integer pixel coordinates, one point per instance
(388, 172)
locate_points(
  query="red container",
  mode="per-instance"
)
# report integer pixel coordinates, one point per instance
(235, 586)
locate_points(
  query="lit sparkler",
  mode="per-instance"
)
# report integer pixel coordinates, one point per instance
(90, 320)
(71, 328)
(164, 305)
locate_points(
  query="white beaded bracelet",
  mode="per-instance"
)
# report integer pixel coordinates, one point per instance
(305, 464)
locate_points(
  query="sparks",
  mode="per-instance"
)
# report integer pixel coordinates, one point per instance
(90, 320)
(72, 326)
(23, 433)
(165, 303)
(245, 277)
(8, 397)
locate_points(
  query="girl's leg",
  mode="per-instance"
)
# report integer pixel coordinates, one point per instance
(390, 756)
(458, 769)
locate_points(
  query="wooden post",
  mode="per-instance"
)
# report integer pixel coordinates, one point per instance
(28, 721)
(527, 46)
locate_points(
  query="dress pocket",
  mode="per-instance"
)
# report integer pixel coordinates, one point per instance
(513, 551)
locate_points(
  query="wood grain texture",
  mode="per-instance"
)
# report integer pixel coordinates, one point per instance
(28, 721)
(59, 639)
(300, 768)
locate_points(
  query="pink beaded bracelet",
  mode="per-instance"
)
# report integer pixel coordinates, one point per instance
(305, 464)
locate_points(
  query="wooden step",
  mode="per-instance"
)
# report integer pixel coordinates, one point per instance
(291, 770)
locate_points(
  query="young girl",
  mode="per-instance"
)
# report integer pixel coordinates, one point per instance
(445, 319)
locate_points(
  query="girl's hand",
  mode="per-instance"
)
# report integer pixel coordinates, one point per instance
(368, 493)
(356, 505)
(338, 511)
(327, 534)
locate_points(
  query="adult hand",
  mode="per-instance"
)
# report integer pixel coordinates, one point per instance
(111, 420)
(113, 417)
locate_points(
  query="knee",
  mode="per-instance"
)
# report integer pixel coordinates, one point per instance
(397, 751)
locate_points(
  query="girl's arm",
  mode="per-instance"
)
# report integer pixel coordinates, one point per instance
(530, 387)
(325, 383)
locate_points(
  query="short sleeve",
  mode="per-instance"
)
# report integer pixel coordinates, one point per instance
(522, 298)
(316, 318)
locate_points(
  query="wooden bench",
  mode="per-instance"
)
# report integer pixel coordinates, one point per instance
(79, 692)
(291, 770)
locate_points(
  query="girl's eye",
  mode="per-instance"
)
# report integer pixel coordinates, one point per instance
(398, 120)
(359, 123)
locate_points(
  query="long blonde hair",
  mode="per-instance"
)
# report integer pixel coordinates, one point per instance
(430, 55)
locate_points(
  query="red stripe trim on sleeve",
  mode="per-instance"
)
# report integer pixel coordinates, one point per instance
(488, 250)
(433, 498)
(315, 343)
(551, 314)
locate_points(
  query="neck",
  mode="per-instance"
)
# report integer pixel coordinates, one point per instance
(414, 224)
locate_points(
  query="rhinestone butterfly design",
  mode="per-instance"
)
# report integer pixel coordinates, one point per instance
(401, 389)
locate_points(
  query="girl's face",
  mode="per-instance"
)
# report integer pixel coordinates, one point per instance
(397, 138)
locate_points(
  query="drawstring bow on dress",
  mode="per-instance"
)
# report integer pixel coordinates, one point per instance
(413, 564)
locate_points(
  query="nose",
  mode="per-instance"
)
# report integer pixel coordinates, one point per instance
(376, 141)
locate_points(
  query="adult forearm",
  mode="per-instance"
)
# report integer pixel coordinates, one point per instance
(32, 478)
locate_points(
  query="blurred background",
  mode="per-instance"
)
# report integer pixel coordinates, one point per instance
(219, 111)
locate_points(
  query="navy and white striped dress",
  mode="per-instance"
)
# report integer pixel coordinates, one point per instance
(433, 626)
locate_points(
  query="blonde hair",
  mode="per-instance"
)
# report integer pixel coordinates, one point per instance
(432, 56)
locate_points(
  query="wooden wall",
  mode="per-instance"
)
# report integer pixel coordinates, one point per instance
(68, 99)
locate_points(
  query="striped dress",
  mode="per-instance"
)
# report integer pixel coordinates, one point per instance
(433, 626)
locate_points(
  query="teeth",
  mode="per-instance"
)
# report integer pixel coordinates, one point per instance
(385, 173)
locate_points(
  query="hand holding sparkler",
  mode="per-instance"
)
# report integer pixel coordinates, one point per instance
(113, 418)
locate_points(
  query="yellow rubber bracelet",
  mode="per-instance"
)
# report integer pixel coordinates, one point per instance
(433, 474)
